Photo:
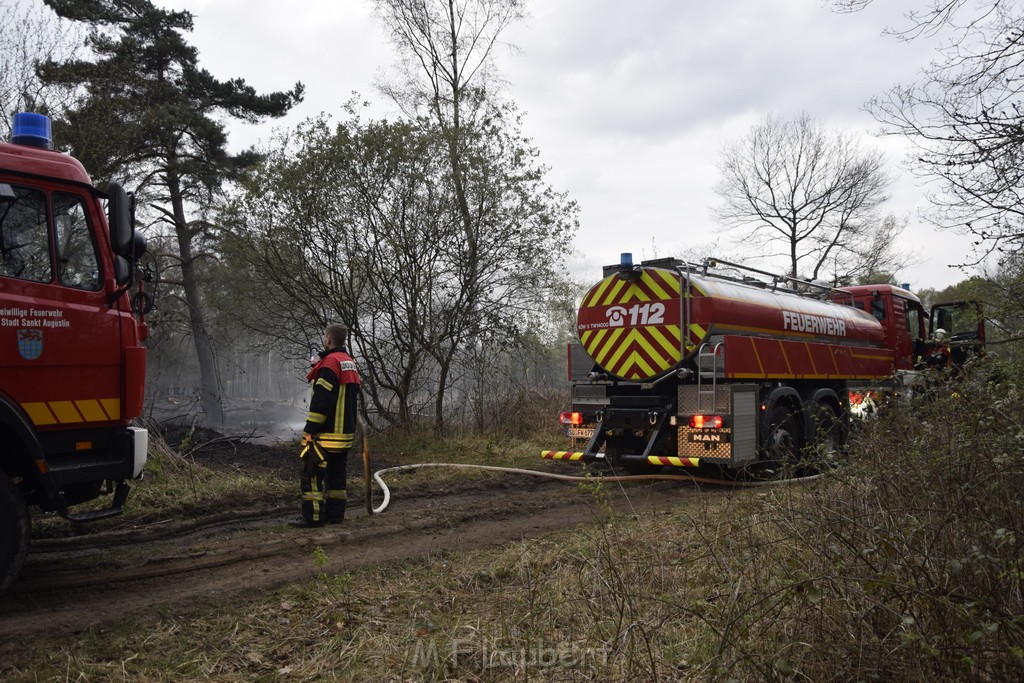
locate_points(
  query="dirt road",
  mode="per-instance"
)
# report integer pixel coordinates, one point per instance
(86, 582)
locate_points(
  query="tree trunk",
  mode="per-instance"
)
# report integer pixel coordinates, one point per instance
(210, 393)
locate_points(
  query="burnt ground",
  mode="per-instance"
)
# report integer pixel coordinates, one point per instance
(231, 453)
(226, 556)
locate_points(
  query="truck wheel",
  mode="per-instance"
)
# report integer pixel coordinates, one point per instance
(15, 529)
(782, 438)
(829, 434)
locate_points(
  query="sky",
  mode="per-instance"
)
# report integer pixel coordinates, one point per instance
(630, 104)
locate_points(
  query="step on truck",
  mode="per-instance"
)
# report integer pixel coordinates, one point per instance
(732, 368)
(72, 363)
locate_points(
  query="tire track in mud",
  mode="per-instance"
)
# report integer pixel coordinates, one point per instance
(80, 583)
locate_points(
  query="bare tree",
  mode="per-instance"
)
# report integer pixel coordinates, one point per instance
(30, 34)
(875, 258)
(507, 220)
(965, 118)
(804, 192)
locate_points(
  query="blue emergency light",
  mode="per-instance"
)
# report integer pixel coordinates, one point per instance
(32, 130)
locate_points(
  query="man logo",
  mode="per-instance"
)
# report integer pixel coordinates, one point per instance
(708, 437)
(30, 344)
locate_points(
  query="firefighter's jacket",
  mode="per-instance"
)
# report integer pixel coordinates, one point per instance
(332, 407)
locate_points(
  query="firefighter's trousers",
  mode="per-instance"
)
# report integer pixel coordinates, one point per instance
(322, 482)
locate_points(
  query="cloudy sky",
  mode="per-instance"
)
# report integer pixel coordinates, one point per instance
(629, 103)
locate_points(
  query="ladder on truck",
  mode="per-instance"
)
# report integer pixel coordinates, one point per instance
(710, 365)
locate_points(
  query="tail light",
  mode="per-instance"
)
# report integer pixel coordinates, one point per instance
(706, 421)
(571, 419)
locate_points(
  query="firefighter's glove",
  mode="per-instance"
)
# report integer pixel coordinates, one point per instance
(311, 449)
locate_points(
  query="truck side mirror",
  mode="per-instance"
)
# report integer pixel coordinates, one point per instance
(139, 246)
(122, 271)
(119, 216)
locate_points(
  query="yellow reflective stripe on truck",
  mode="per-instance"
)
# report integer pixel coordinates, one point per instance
(45, 413)
(561, 455)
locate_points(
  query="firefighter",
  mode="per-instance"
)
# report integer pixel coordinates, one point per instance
(329, 432)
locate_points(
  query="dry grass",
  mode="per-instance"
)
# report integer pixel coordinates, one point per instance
(904, 565)
(177, 487)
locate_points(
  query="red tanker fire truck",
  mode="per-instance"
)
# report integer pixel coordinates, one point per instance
(693, 365)
(72, 364)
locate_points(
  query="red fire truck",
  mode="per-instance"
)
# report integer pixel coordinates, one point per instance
(72, 364)
(717, 364)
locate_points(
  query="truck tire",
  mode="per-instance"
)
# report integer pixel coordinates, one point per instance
(15, 529)
(782, 438)
(829, 436)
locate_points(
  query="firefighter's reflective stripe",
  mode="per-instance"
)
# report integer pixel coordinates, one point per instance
(311, 449)
(337, 434)
(337, 494)
(336, 442)
(43, 413)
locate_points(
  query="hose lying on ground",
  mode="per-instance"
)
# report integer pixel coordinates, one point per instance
(561, 477)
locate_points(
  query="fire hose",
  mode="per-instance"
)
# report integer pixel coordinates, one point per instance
(376, 476)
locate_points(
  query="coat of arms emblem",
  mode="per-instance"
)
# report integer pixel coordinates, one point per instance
(30, 344)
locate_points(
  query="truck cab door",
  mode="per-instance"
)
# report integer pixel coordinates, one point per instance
(60, 337)
(963, 326)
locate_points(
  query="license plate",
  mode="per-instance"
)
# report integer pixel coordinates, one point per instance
(581, 432)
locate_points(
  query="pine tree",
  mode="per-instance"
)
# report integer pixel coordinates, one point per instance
(149, 112)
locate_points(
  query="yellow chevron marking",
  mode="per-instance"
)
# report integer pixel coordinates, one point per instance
(621, 349)
(596, 295)
(659, 293)
(757, 356)
(639, 361)
(669, 280)
(69, 412)
(613, 292)
(654, 354)
(601, 351)
(810, 357)
(65, 411)
(91, 410)
(39, 414)
(112, 407)
(623, 370)
(670, 348)
(635, 293)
